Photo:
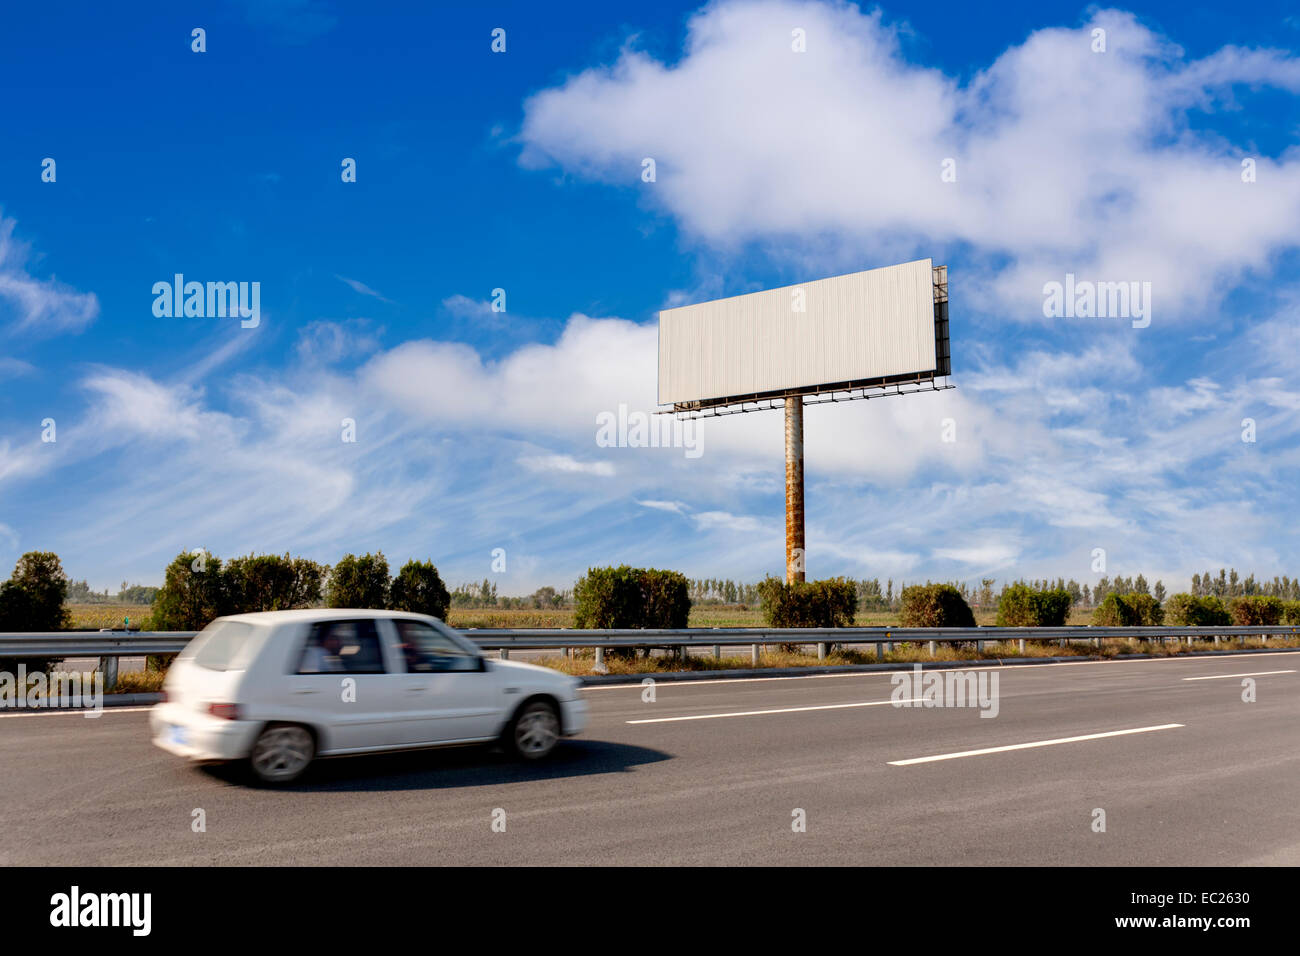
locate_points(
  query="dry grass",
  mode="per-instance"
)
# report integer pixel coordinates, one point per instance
(661, 662)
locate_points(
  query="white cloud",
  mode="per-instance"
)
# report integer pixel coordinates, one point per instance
(676, 507)
(989, 557)
(456, 455)
(362, 288)
(325, 342)
(1067, 160)
(708, 520)
(463, 307)
(567, 464)
(42, 306)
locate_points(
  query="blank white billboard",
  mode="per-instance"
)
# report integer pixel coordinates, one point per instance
(863, 327)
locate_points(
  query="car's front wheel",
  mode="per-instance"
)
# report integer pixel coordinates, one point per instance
(281, 753)
(535, 730)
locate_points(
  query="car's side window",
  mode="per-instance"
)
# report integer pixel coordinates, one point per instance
(429, 651)
(342, 647)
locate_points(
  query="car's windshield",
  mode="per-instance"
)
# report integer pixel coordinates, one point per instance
(226, 645)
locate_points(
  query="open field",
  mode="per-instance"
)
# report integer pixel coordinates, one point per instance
(95, 616)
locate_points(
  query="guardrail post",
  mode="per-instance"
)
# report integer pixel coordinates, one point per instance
(505, 653)
(979, 647)
(110, 672)
(1022, 645)
(599, 666)
(880, 654)
(821, 651)
(717, 651)
(753, 654)
(933, 646)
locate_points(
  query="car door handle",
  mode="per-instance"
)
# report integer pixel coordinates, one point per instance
(415, 690)
(306, 691)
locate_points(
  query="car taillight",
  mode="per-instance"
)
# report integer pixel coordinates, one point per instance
(225, 711)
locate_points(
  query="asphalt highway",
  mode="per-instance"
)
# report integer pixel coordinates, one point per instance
(715, 772)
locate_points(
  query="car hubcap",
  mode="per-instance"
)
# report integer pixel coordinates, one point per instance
(282, 752)
(537, 730)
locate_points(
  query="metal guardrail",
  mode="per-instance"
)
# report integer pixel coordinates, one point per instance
(91, 644)
(138, 643)
(110, 646)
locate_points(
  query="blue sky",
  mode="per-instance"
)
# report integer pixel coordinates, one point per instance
(521, 171)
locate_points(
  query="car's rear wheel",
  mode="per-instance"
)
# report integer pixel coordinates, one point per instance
(281, 753)
(535, 730)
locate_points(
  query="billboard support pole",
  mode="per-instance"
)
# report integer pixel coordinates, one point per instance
(794, 544)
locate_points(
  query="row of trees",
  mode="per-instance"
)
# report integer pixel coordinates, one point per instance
(79, 592)
(485, 596)
(1020, 605)
(873, 595)
(198, 588)
(1230, 585)
(723, 591)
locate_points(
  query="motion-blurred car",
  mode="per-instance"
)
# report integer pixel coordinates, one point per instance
(281, 688)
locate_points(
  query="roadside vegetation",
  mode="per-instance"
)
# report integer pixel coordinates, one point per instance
(197, 587)
(582, 663)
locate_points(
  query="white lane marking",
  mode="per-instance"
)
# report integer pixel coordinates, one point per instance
(906, 668)
(779, 710)
(80, 712)
(1229, 676)
(1028, 746)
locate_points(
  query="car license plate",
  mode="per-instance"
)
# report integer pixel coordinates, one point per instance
(177, 735)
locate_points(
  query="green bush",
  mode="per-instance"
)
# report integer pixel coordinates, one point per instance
(418, 588)
(627, 597)
(360, 583)
(1191, 611)
(831, 602)
(193, 593)
(33, 601)
(40, 574)
(667, 598)
(1256, 610)
(609, 598)
(17, 608)
(1128, 610)
(1291, 612)
(935, 605)
(268, 582)
(1022, 606)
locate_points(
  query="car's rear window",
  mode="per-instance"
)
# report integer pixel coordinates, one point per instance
(227, 645)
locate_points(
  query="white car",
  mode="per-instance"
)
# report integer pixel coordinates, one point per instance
(281, 688)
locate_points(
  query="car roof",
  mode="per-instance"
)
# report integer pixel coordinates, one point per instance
(316, 614)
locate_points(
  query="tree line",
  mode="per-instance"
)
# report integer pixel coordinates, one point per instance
(199, 586)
